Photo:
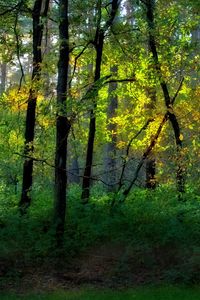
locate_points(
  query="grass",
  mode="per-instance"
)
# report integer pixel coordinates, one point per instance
(150, 293)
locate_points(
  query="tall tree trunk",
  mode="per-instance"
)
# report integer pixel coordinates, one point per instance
(40, 10)
(98, 43)
(63, 124)
(110, 176)
(3, 77)
(151, 160)
(150, 5)
(47, 43)
(92, 126)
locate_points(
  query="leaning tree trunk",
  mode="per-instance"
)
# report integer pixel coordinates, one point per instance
(40, 10)
(180, 174)
(63, 124)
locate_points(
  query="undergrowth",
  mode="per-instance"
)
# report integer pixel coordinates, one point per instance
(149, 223)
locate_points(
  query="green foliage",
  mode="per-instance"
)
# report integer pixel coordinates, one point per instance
(153, 226)
(152, 293)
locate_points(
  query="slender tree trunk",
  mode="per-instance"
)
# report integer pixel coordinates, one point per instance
(150, 4)
(40, 9)
(47, 43)
(151, 160)
(92, 127)
(63, 124)
(3, 77)
(110, 176)
(73, 159)
(98, 43)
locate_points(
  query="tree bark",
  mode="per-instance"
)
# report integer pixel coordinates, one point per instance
(63, 124)
(40, 10)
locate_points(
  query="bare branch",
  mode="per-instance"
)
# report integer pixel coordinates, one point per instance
(76, 59)
(121, 80)
(44, 161)
(145, 155)
(128, 148)
(177, 92)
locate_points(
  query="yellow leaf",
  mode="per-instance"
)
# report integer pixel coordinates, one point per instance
(181, 137)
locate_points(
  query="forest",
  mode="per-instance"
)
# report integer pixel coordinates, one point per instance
(99, 145)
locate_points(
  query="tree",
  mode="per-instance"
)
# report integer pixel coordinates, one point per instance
(150, 4)
(131, 61)
(3, 77)
(98, 44)
(63, 123)
(40, 11)
(111, 146)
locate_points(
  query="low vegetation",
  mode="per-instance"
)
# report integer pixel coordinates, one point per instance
(163, 293)
(150, 238)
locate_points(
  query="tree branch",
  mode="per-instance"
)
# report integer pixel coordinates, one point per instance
(177, 92)
(121, 80)
(128, 148)
(76, 59)
(11, 9)
(145, 155)
(40, 160)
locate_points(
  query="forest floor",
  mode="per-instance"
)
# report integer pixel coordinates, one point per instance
(106, 266)
(152, 239)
